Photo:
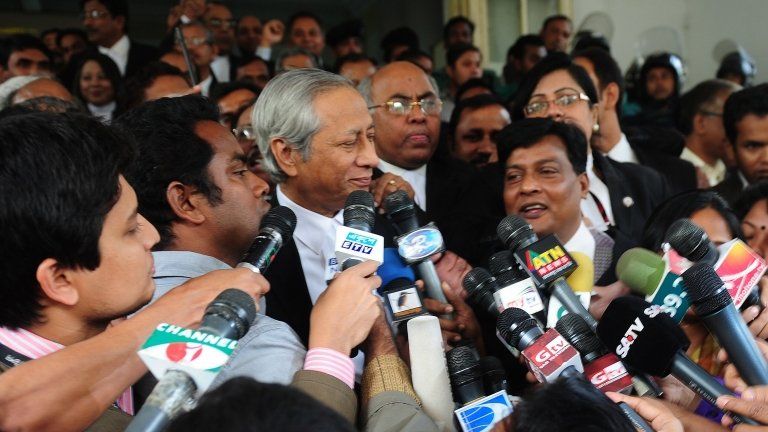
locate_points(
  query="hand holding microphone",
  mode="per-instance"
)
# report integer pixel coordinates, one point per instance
(753, 402)
(661, 418)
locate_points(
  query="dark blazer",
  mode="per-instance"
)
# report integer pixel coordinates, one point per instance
(138, 56)
(288, 298)
(680, 174)
(731, 187)
(634, 191)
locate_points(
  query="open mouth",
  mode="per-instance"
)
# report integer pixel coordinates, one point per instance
(533, 210)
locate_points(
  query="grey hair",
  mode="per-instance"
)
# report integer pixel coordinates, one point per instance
(290, 52)
(11, 86)
(285, 110)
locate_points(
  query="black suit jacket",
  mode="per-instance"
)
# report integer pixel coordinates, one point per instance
(731, 187)
(680, 174)
(138, 56)
(288, 297)
(634, 191)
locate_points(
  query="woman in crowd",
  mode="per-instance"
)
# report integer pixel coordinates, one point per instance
(98, 84)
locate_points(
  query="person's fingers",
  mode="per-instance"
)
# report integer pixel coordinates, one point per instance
(661, 418)
(754, 409)
(758, 325)
(733, 380)
(364, 269)
(750, 313)
(436, 307)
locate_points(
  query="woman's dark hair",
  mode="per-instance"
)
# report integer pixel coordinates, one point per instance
(110, 70)
(551, 63)
(749, 197)
(684, 205)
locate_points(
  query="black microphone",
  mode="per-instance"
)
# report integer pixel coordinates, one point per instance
(359, 213)
(276, 227)
(691, 242)
(229, 315)
(714, 306)
(465, 374)
(401, 210)
(494, 375)
(648, 339)
(519, 237)
(480, 286)
(516, 289)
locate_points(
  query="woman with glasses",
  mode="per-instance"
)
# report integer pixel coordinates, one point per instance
(98, 83)
(621, 195)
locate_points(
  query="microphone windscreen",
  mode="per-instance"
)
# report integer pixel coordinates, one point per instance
(501, 262)
(393, 268)
(512, 323)
(641, 270)
(513, 231)
(641, 335)
(688, 239)
(235, 305)
(429, 372)
(282, 219)
(583, 278)
(705, 289)
(399, 202)
(359, 209)
(463, 365)
(577, 332)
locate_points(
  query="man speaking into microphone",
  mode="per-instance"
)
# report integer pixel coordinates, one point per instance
(544, 183)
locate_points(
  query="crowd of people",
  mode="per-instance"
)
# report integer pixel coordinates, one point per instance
(161, 162)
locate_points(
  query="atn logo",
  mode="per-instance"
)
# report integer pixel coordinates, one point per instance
(552, 349)
(609, 374)
(629, 337)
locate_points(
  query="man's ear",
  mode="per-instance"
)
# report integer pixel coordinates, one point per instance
(611, 96)
(185, 203)
(583, 185)
(120, 20)
(56, 283)
(698, 125)
(285, 155)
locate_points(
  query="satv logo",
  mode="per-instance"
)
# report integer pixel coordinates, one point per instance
(552, 349)
(629, 338)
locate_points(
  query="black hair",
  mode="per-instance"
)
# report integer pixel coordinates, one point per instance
(349, 29)
(250, 58)
(169, 150)
(223, 89)
(552, 62)
(587, 39)
(459, 19)
(606, 70)
(517, 50)
(71, 32)
(470, 84)
(569, 404)
(109, 68)
(20, 42)
(48, 31)
(271, 407)
(475, 102)
(698, 98)
(455, 52)
(550, 19)
(351, 58)
(398, 37)
(302, 14)
(752, 100)
(527, 132)
(115, 8)
(684, 205)
(412, 54)
(749, 197)
(58, 214)
(659, 60)
(136, 85)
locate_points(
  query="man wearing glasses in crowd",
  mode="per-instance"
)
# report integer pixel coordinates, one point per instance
(203, 50)
(218, 18)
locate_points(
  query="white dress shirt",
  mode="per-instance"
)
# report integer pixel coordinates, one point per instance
(205, 85)
(103, 113)
(582, 241)
(589, 207)
(622, 151)
(417, 178)
(118, 53)
(221, 67)
(715, 173)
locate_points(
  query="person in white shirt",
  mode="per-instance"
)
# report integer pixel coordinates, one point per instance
(218, 18)
(701, 121)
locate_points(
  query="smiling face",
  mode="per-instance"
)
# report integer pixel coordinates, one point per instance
(560, 83)
(541, 186)
(341, 156)
(95, 87)
(306, 33)
(407, 141)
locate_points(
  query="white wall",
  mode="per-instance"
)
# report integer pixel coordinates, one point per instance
(702, 23)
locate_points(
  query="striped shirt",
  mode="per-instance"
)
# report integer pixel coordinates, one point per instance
(33, 346)
(331, 362)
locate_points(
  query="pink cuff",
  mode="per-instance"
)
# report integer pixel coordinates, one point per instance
(331, 362)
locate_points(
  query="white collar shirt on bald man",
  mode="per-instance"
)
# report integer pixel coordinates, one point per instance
(417, 178)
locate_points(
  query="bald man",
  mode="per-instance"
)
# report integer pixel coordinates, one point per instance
(42, 87)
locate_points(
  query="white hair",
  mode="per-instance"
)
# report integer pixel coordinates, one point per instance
(9, 88)
(285, 110)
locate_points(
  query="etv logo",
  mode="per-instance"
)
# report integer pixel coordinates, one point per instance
(552, 349)
(629, 337)
(358, 243)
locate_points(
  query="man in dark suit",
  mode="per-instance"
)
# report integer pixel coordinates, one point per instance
(218, 19)
(745, 117)
(106, 22)
(611, 141)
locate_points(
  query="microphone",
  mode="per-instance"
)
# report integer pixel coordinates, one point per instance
(603, 369)
(416, 244)
(517, 288)
(465, 374)
(402, 299)
(545, 260)
(494, 375)
(354, 241)
(645, 273)
(646, 338)
(186, 361)
(735, 262)
(276, 227)
(481, 288)
(429, 372)
(581, 281)
(547, 354)
(713, 305)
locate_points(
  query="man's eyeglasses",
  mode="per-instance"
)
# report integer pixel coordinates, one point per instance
(429, 106)
(539, 107)
(222, 23)
(711, 113)
(244, 133)
(93, 14)
(195, 41)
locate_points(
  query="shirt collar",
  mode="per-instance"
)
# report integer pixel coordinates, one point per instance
(104, 112)
(27, 343)
(622, 151)
(185, 264)
(121, 47)
(402, 172)
(582, 241)
(311, 228)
